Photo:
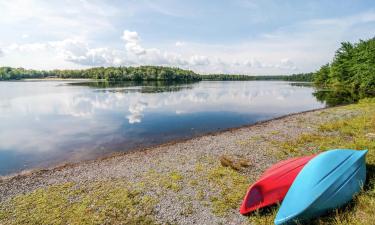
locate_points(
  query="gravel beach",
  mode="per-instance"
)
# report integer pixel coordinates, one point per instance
(191, 165)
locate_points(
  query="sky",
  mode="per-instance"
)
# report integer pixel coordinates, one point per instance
(265, 37)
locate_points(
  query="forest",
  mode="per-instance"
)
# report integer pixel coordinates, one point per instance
(141, 73)
(304, 77)
(293, 77)
(351, 72)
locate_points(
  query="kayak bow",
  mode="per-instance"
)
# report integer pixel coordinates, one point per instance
(273, 185)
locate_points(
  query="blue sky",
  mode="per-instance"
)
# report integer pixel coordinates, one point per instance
(238, 36)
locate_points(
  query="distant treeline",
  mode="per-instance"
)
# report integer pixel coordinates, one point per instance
(352, 71)
(142, 73)
(294, 77)
(305, 77)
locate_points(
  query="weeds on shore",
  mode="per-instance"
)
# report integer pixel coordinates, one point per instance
(236, 163)
(231, 188)
(164, 181)
(219, 187)
(113, 202)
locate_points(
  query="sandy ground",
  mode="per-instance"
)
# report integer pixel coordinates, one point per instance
(253, 143)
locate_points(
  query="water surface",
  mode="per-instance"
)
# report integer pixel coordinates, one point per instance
(44, 123)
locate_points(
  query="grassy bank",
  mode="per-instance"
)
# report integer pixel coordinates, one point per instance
(213, 184)
(357, 132)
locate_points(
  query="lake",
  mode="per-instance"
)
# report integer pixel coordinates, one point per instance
(45, 123)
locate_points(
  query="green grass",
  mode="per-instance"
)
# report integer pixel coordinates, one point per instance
(341, 133)
(170, 181)
(231, 187)
(265, 216)
(112, 202)
(219, 187)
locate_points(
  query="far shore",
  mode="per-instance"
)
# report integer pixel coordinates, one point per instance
(59, 79)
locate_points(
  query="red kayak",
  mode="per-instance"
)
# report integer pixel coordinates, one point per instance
(273, 185)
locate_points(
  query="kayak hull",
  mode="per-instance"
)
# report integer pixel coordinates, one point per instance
(326, 182)
(273, 185)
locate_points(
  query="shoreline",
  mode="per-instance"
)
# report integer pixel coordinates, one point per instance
(63, 165)
(183, 181)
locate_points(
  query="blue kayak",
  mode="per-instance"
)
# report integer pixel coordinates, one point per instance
(326, 182)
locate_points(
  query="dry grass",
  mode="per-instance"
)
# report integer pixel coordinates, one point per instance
(234, 162)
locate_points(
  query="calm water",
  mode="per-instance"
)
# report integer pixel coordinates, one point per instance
(49, 122)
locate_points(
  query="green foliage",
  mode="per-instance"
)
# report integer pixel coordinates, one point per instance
(351, 73)
(264, 216)
(337, 96)
(8, 73)
(294, 77)
(322, 75)
(142, 73)
(305, 77)
(227, 77)
(94, 203)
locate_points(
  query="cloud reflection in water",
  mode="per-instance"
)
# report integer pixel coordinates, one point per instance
(65, 122)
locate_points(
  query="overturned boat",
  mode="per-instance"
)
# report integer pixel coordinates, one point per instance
(326, 182)
(273, 185)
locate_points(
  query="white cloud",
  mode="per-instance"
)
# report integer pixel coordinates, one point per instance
(253, 63)
(287, 64)
(130, 36)
(136, 112)
(27, 47)
(298, 47)
(73, 50)
(284, 63)
(1, 53)
(132, 41)
(135, 48)
(96, 57)
(155, 56)
(138, 107)
(180, 43)
(78, 51)
(58, 17)
(96, 25)
(134, 118)
(199, 60)
(348, 21)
